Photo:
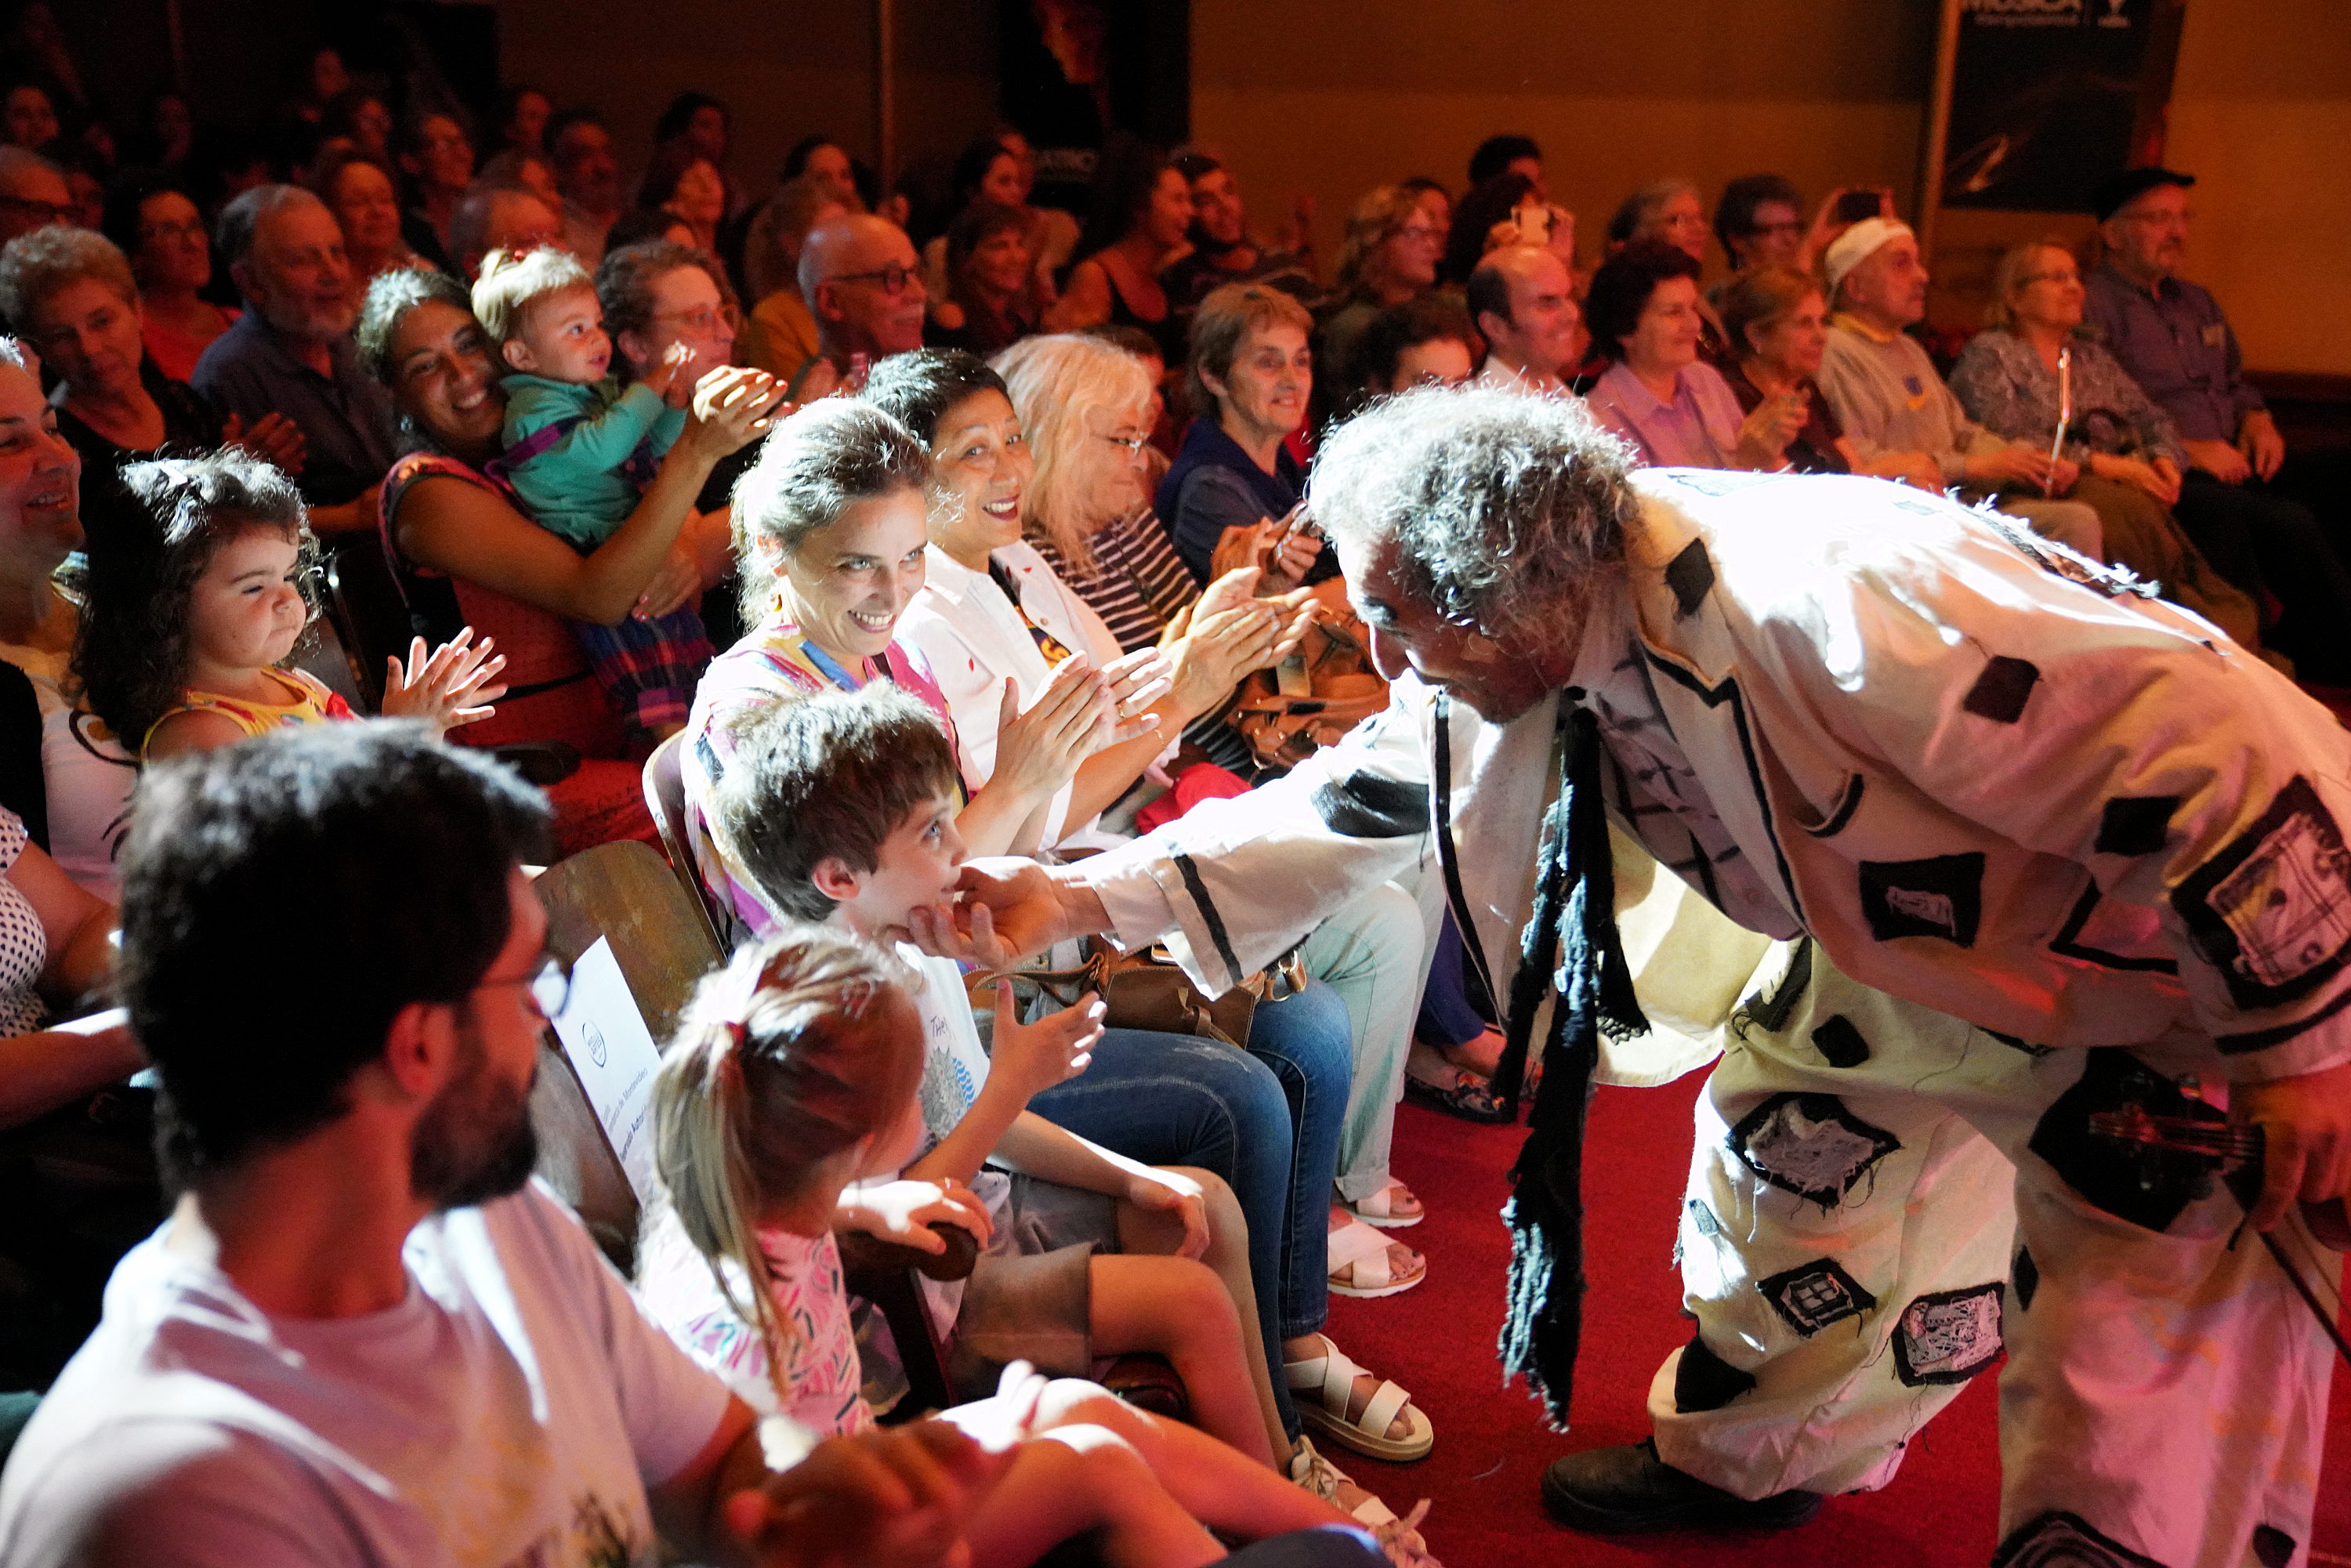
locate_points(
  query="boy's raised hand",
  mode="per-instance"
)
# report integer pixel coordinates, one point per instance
(904, 1212)
(449, 687)
(1033, 1057)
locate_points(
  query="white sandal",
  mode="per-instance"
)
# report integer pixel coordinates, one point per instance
(1360, 1265)
(1330, 1377)
(1399, 1539)
(1379, 1208)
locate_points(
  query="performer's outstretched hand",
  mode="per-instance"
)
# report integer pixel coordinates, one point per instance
(1006, 909)
(2306, 1123)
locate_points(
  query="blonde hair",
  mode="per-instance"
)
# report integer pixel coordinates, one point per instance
(2009, 276)
(778, 1064)
(1380, 213)
(511, 280)
(1056, 384)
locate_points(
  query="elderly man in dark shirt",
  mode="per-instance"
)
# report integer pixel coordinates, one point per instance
(291, 351)
(2173, 338)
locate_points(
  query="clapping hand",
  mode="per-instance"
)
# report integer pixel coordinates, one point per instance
(449, 687)
(274, 438)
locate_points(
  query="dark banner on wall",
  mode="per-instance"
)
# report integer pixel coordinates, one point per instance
(1073, 71)
(2049, 97)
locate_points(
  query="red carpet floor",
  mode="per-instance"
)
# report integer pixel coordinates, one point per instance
(1491, 1446)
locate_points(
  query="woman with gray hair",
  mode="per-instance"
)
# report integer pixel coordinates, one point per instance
(71, 294)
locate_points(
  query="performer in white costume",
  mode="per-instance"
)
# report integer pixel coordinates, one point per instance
(2028, 846)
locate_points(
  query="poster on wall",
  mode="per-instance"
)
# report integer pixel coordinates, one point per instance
(2046, 98)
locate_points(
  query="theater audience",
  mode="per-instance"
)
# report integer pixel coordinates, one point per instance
(2126, 448)
(587, 173)
(437, 156)
(1675, 409)
(1897, 411)
(514, 169)
(157, 224)
(62, 773)
(359, 116)
(1777, 321)
(1667, 210)
(362, 197)
(74, 294)
(29, 118)
(291, 353)
(821, 158)
(689, 188)
(780, 335)
(1142, 209)
(521, 123)
(863, 285)
(490, 219)
(1390, 256)
(1422, 342)
(355, 1144)
(988, 302)
(2175, 342)
(1523, 302)
(32, 193)
(1224, 251)
(1509, 154)
(1759, 222)
(466, 556)
(1250, 377)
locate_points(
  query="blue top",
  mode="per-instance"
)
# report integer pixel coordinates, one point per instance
(2178, 346)
(1213, 485)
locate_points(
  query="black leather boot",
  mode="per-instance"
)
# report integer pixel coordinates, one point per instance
(1629, 1488)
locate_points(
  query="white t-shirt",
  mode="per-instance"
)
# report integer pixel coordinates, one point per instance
(87, 776)
(511, 1412)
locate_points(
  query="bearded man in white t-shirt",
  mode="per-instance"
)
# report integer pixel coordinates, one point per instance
(363, 1336)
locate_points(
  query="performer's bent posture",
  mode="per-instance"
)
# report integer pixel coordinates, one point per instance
(2035, 847)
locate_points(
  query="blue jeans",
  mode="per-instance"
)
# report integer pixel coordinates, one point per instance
(1267, 1121)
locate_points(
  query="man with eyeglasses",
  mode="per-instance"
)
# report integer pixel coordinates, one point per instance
(864, 284)
(362, 1334)
(32, 193)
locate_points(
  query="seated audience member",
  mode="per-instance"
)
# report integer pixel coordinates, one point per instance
(361, 195)
(820, 158)
(1777, 321)
(514, 170)
(159, 228)
(578, 451)
(291, 353)
(1675, 409)
(32, 193)
(658, 297)
(354, 1145)
(1505, 211)
(864, 284)
(73, 293)
(184, 644)
(1435, 198)
(2126, 448)
(1669, 211)
(489, 219)
(1427, 341)
(1053, 234)
(465, 555)
(780, 336)
(986, 174)
(62, 772)
(437, 156)
(1523, 302)
(29, 117)
(987, 308)
(1250, 380)
(521, 122)
(1223, 251)
(1897, 411)
(1390, 256)
(1508, 154)
(689, 188)
(587, 174)
(1758, 220)
(359, 117)
(640, 225)
(2237, 498)
(697, 126)
(1141, 208)
(792, 1097)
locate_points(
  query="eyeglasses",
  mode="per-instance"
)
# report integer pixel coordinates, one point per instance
(2068, 276)
(192, 229)
(705, 319)
(550, 987)
(893, 279)
(47, 212)
(1419, 231)
(1134, 443)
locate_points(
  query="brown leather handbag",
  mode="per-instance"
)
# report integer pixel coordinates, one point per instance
(1147, 990)
(1284, 730)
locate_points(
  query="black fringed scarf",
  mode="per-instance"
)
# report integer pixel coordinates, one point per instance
(1570, 945)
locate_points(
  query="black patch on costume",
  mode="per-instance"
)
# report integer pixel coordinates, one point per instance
(2057, 1540)
(1772, 1013)
(2026, 1276)
(2000, 692)
(2135, 824)
(2068, 940)
(2273, 910)
(2273, 1546)
(1704, 1380)
(1703, 1218)
(1947, 1336)
(1186, 868)
(1810, 1145)
(1841, 1042)
(1814, 1295)
(2135, 1182)
(1726, 691)
(1367, 806)
(1689, 574)
(1848, 803)
(1941, 896)
(2013, 1044)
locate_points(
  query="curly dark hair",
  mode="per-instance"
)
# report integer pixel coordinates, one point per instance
(132, 652)
(1621, 288)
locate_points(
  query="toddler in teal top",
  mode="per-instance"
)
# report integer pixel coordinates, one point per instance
(579, 451)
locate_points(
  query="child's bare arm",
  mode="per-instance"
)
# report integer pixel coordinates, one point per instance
(1034, 1147)
(1025, 1060)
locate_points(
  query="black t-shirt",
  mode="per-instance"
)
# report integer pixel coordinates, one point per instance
(109, 515)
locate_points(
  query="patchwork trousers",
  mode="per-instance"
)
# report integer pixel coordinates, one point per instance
(1882, 1198)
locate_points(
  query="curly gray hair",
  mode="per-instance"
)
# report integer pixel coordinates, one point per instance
(1507, 511)
(812, 467)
